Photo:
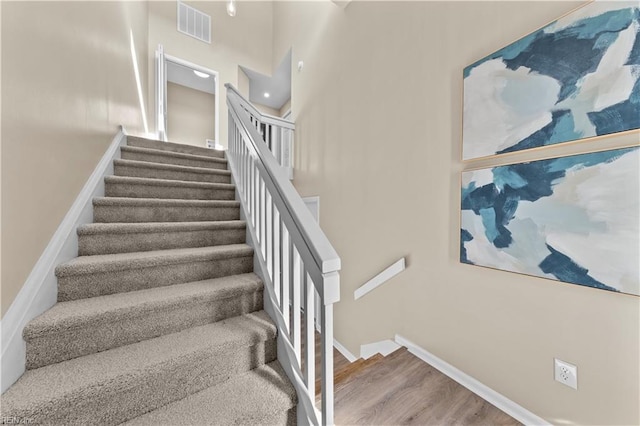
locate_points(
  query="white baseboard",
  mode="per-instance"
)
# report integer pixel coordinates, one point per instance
(383, 347)
(40, 290)
(516, 411)
(344, 351)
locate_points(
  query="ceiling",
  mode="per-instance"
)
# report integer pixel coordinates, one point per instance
(278, 86)
(185, 76)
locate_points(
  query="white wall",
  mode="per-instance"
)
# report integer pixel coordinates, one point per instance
(378, 111)
(68, 81)
(245, 39)
(190, 115)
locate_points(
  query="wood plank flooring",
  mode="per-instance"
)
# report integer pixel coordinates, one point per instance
(401, 389)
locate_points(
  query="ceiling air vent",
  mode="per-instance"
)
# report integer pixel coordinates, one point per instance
(194, 23)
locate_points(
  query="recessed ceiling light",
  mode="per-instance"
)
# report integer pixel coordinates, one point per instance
(266, 94)
(201, 74)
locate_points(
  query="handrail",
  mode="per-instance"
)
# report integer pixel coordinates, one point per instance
(282, 122)
(296, 260)
(323, 253)
(276, 132)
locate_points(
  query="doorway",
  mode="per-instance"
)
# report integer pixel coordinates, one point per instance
(187, 102)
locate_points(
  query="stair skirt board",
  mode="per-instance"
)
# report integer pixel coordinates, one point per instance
(39, 291)
(160, 317)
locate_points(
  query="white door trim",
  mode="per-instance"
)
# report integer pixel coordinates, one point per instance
(184, 63)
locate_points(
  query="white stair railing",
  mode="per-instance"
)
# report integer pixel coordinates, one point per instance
(295, 258)
(276, 132)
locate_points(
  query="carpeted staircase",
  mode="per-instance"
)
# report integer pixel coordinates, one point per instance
(159, 320)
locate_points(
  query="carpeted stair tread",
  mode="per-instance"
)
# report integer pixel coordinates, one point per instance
(127, 180)
(169, 157)
(115, 262)
(155, 202)
(126, 209)
(171, 146)
(142, 187)
(76, 313)
(107, 238)
(257, 397)
(125, 382)
(152, 227)
(172, 154)
(81, 327)
(148, 169)
(99, 275)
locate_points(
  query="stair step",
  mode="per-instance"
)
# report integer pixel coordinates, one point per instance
(167, 171)
(169, 157)
(110, 238)
(82, 327)
(99, 275)
(117, 209)
(174, 147)
(122, 383)
(123, 186)
(263, 396)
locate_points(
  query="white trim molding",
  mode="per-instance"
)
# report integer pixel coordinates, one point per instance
(380, 279)
(344, 351)
(40, 290)
(513, 409)
(383, 347)
(196, 67)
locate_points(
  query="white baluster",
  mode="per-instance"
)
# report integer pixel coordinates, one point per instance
(277, 238)
(263, 220)
(327, 363)
(269, 230)
(295, 306)
(252, 192)
(286, 275)
(310, 357)
(246, 175)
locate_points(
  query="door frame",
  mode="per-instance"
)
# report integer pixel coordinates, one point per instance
(161, 91)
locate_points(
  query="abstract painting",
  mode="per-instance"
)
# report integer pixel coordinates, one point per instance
(574, 219)
(576, 78)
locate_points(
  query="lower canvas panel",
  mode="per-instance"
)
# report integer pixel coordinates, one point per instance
(573, 219)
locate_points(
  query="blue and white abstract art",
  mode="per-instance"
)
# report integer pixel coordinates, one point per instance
(574, 219)
(576, 78)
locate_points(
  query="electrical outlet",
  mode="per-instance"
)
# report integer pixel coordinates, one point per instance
(565, 373)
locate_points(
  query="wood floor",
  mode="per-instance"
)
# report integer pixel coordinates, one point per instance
(401, 389)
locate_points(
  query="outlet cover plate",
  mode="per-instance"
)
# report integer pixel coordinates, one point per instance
(565, 373)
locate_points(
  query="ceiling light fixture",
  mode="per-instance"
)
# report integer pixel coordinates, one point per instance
(266, 94)
(231, 8)
(201, 74)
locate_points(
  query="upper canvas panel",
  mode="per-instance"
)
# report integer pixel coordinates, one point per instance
(576, 78)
